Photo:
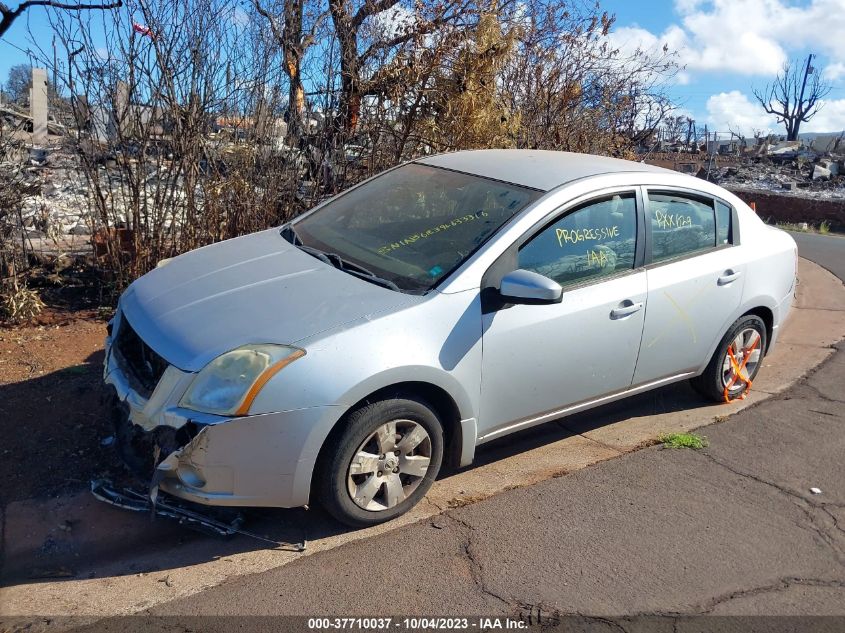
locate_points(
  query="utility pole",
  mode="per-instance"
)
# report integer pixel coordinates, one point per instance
(690, 124)
(55, 64)
(808, 69)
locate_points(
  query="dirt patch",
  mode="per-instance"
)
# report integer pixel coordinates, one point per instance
(53, 417)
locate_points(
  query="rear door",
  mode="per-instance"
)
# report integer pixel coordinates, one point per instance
(695, 281)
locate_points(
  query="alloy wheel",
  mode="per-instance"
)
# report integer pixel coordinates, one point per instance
(389, 465)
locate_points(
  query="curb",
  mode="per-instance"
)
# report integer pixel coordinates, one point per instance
(108, 584)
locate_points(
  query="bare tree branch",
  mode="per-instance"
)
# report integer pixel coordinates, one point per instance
(10, 15)
(422, 29)
(371, 8)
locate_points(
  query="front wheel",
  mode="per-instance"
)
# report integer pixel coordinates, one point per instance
(743, 346)
(382, 462)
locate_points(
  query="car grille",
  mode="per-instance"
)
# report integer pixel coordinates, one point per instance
(146, 366)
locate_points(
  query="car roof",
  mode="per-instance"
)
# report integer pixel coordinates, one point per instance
(538, 169)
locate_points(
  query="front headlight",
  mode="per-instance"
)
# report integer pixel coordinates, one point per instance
(229, 384)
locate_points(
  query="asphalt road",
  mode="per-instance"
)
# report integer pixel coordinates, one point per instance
(827, 251)
(731, 529)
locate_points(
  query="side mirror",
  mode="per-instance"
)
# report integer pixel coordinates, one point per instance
(524, 286)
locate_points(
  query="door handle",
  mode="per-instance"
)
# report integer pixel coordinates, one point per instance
(626, 308)
(728, 276)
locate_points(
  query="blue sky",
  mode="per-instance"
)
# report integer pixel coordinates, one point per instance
(725, 46)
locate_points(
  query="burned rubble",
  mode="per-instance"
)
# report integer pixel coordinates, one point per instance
(795, 182)
(58, 202)
(87, 183)
(57, 206)
(786, 167)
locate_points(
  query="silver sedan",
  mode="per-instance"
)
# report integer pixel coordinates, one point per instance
(351, 355)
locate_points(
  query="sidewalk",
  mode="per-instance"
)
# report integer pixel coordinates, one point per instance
(120, 561)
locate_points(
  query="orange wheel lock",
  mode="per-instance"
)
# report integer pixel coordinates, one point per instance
(737, 371)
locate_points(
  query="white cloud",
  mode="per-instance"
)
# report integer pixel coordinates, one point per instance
(240, 17)
(725, 39)
(630, 39)
(687, 6)
(633, 40)
(393, 21)
(829, 118)
(733, 110)
(751, 37)
(834, 72)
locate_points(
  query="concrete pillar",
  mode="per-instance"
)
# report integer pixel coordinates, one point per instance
(38, 106)
(121, 109)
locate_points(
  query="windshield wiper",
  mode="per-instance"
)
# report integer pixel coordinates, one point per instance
(363, 273)
(333, 259)
(316, 252)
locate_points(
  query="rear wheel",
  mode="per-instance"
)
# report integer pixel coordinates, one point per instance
(382, 462)
(745, 341)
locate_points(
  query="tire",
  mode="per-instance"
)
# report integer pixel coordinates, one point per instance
(711, 383)
(380, 485)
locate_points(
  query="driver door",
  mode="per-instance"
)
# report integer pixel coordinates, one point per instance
(540, 359)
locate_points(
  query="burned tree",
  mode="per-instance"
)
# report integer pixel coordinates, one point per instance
(294, 41)
(179, 129)
(791, 98)
(371, 68)
(674, 128)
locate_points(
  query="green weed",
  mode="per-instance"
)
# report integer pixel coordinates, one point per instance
(683, 440)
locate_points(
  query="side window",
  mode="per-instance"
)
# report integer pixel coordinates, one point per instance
(724, 214)
(680, 224)
(595, 239)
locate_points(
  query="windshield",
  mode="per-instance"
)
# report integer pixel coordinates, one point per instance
(415, 224)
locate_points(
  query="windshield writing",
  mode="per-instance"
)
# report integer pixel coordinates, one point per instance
(414, 224)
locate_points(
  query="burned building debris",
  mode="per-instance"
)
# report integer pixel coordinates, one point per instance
(789, 181)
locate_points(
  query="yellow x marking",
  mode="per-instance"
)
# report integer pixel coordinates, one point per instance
(681, 315)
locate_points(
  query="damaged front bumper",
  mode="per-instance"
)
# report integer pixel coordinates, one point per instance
(128, 499)
(259, 460)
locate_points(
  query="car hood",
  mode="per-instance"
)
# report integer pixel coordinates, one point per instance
(253, 289)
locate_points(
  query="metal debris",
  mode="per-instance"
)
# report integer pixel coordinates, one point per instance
(170, 508)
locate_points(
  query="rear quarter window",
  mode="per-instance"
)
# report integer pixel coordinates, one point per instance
(724, 228)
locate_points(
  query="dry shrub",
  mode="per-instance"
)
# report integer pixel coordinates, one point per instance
(180, 130)
(19, 304)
